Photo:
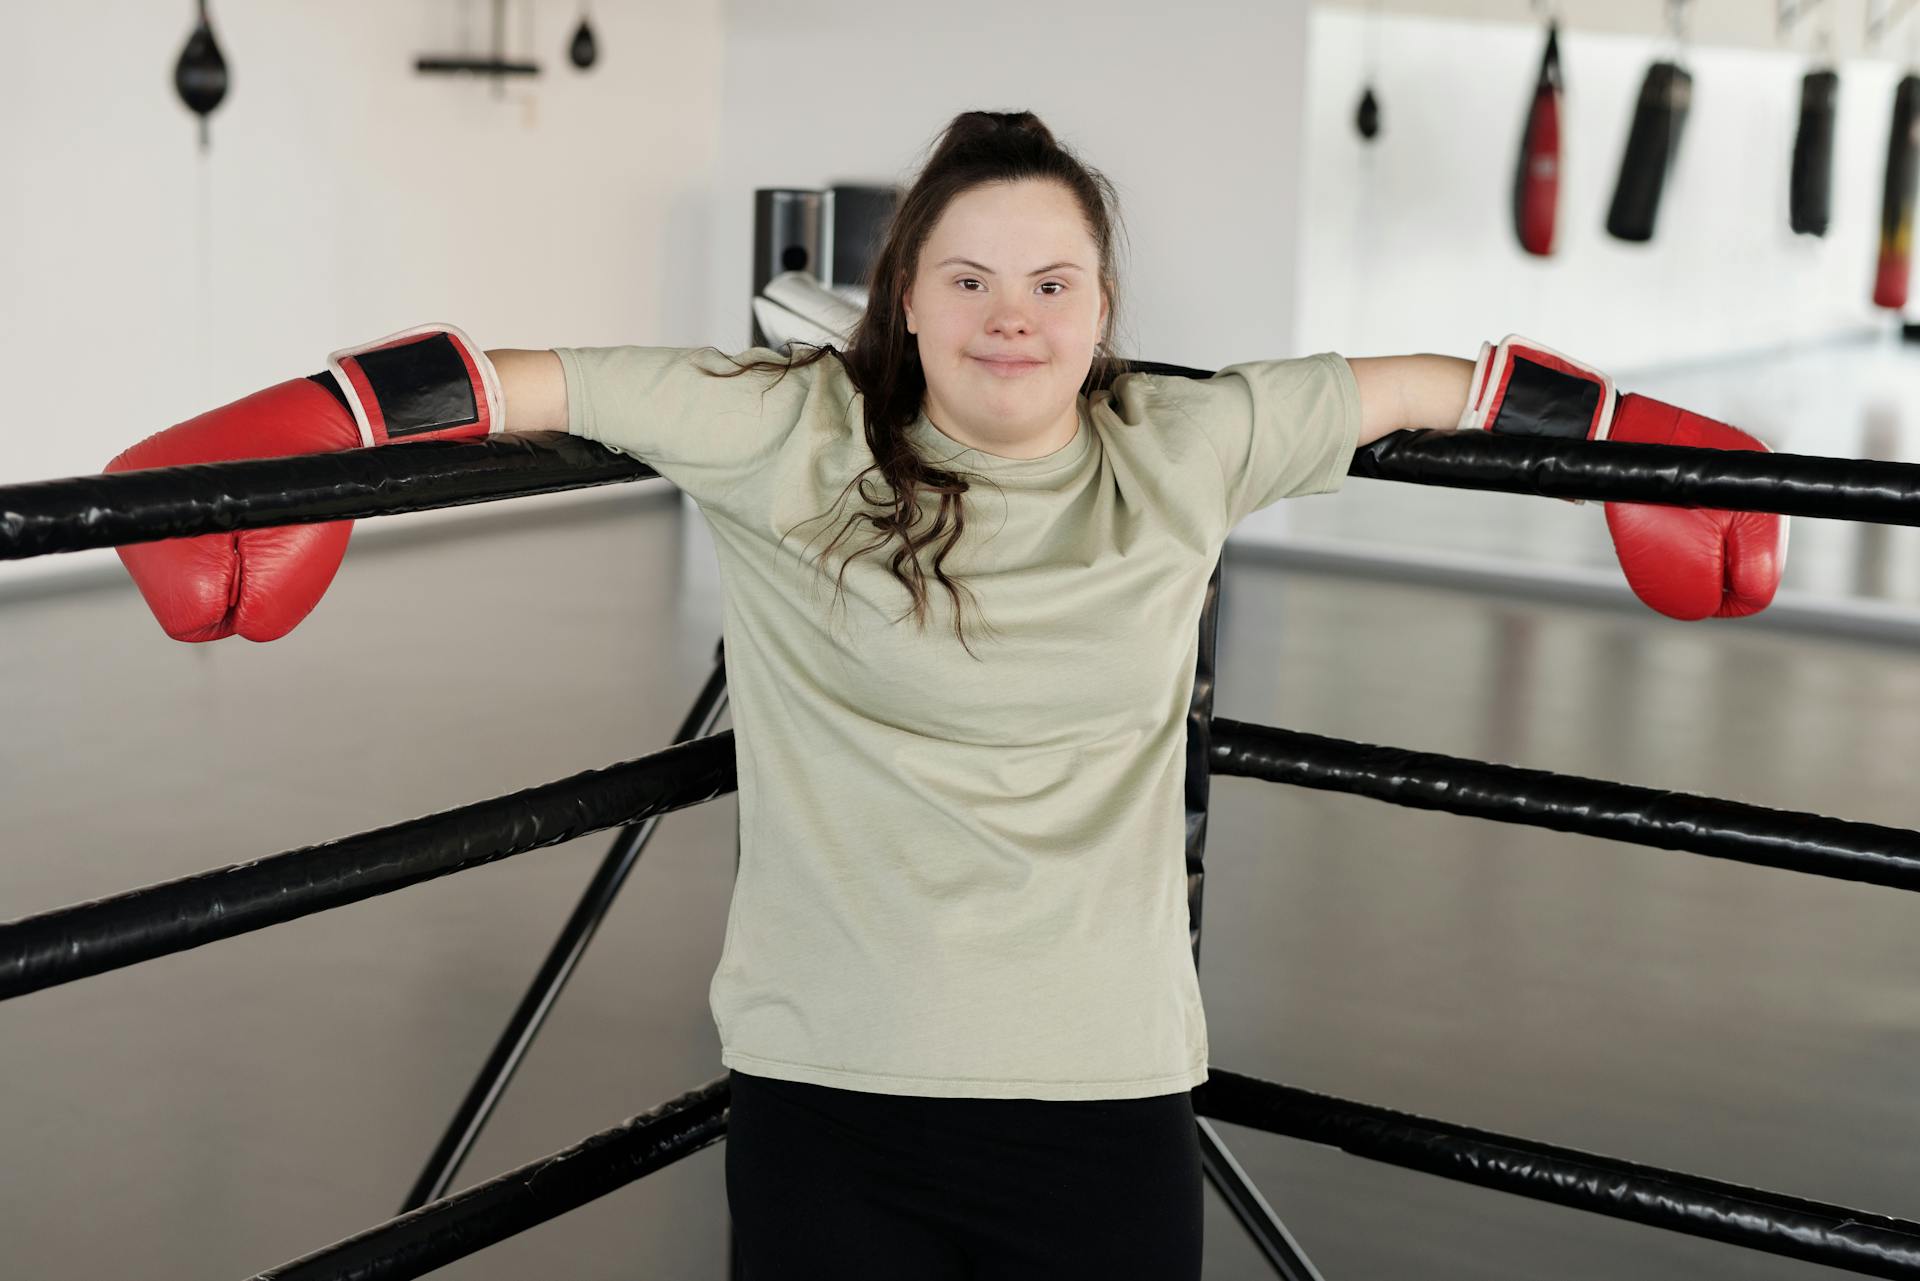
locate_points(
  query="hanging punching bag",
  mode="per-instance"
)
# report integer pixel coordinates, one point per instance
(1366, 117)
(1536, 179)
(584, 49)
(1896, 200)
(1658, 117)
(1810, 189)
(200, 73)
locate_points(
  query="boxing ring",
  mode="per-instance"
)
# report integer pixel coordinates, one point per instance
(628, 799)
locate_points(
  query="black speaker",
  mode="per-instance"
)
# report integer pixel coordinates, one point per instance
(789, 233)
(860, 216)
(834, 234)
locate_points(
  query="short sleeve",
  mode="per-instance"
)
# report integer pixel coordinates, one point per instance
(1280, 428)
(672, 408)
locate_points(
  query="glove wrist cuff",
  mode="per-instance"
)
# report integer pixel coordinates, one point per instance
(426, 383)
(1522, 388)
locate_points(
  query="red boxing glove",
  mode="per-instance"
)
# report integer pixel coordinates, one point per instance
(1686, 562)
(426, 383)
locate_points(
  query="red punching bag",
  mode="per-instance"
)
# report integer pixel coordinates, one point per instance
(1536, 180)
(1896, 198)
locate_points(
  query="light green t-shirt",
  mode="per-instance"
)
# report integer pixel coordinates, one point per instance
(958, 877)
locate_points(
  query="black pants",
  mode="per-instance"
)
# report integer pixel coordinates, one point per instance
(855, 1186)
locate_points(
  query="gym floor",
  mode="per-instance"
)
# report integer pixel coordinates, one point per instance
(239, 1105)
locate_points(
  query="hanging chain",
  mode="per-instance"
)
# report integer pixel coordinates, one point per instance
(1677, 20)
(1883, 16)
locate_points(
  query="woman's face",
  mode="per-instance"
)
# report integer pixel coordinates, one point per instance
(1007, 307)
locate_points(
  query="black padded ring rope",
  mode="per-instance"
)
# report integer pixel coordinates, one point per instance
(172, 916)
(80, 512)
(1772, 1222)
(1789, 839)
(155, 503)
(455, 1226)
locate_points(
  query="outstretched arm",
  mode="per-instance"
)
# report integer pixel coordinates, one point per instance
(1409, 391)
(534, 388)
(1686, 562)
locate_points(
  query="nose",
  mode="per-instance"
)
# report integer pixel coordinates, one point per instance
(1009, 319)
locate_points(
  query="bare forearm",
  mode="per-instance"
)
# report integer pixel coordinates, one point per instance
(534, 388)
(1409, 391)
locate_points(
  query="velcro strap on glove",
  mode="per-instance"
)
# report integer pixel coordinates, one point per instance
(1525, 389)
(426, 383)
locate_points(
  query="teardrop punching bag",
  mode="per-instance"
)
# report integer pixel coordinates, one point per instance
(1658, 117)
(1896, 200)
(584, 49)
(1366, 117)
(200, 74)
(1536, 180)
(1810, 188)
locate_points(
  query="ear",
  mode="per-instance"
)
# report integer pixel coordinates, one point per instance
(906, 305)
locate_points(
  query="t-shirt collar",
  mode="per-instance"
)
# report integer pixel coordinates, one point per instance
(944, 450)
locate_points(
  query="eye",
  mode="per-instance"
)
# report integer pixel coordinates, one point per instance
(1059, 284)
(964, 281)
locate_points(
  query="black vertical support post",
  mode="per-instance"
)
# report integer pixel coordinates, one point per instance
(732, 1256)
(1269, 1234)
(565, 954)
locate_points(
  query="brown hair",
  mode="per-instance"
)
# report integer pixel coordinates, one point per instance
(882, 361)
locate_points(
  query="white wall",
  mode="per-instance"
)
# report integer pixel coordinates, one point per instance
(345, 196)
(1406, 242)
(1193, 112)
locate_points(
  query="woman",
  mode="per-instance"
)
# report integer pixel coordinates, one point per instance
(956, 991)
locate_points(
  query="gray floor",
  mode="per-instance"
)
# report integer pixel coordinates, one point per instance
(215, 1113)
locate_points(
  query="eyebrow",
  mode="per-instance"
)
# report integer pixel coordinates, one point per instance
(968, 262)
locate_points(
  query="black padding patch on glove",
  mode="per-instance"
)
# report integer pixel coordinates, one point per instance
(420, 386)
(1545, 402)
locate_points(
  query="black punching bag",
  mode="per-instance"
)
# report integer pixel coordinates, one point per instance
(1810, 192)
(1896, 198)
(1658, 117)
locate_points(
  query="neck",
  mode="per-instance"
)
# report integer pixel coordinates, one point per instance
(1016, 441)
